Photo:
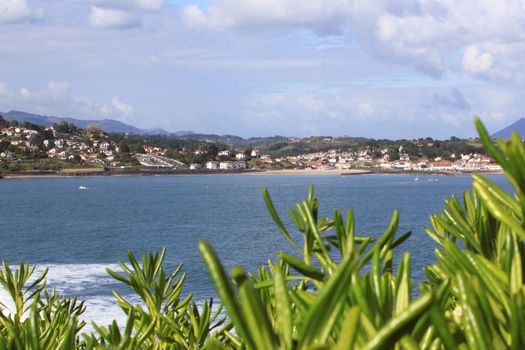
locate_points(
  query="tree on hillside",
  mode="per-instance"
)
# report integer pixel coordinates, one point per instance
(123, 147)
(4, 145)
(31, 126)
(174, 154)
(3, 123)
(38, 141)
(248, 152)
(213, 150)
(64, 127)
(137, 148)
(393, 154)
(47, 134)
(95, 130)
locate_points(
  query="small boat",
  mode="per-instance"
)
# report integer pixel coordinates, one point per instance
(82, 188)
(417, 178)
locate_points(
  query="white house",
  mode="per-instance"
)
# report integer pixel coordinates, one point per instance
(240, 156)
(213, 165)
(442, 166)
(7, 154)
(59, 143)
(232, 165)
(343, 166)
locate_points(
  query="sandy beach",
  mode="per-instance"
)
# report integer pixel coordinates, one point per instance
(312, 172)
(96, 172)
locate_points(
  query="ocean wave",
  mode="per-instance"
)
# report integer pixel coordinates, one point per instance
(89, 282)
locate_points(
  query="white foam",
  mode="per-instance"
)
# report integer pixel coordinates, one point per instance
(72, 277)
(91, 284)
(74, 280)
(103, 311)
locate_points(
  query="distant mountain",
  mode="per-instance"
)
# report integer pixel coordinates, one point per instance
(506, 133)
(163, 132)
(108, 125)
(183, 133)
(236, 141)
(157, 131)
(27, 117)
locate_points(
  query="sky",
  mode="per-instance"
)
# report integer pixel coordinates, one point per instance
(373, 68)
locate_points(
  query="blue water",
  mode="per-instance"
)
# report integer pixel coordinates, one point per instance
(50, 222)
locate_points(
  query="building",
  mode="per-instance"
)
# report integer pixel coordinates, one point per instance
(213, 165)
(232, 165)
(442, 166)
(59, 143)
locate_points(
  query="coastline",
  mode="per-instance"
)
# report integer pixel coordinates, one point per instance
(186, 172)
(313, 172)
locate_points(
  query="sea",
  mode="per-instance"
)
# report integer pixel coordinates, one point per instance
(79, 226)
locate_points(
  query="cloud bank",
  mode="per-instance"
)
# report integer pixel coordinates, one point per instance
(377, 68)
(15, 11)
(121, 14)
(424, 35)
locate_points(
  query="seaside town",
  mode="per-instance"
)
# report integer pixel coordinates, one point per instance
(28, 147)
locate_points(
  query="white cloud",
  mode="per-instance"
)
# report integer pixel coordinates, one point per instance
(121, 14)
(270, 100)
(324, 15)
(476, 62)
(113, 18)
(311, 102)
(365, 108)
(121, 107)
(451, 119)
(426, 35)
(55, 93)
(114, 109)
(12, 11)
(145, 5)
(315, 112)
(57, 96)
(495, 117)
(5, 92)
(152, 5)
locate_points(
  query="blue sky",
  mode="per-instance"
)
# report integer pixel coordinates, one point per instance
(374, 68)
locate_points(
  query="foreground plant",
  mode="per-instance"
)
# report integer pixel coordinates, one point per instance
(162, 319)
(329, 300)
(336, 290)
(487, 299)
(40, 320)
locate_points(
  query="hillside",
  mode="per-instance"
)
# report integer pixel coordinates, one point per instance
(108, 125)
(506, 133)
